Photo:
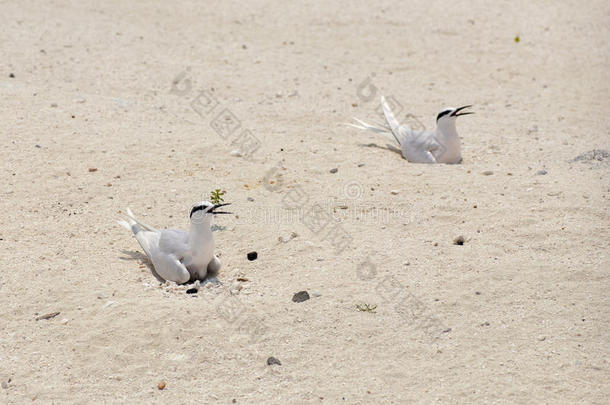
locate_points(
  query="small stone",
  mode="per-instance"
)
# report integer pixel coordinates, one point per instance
(300, 296)
(64, 321)
(316, 294)
(488, 173)
(394, 192)
(48, 316)
(37, 146)
(4, 385)
(541, 172)
(236, 153)
(447, 330)
(161, 385)
(192, 291)
(286, 239)
(541, 338)
(250, 199)
(272, 360)
(11, 75)
(334, 170)
(459, 240)
(360, 164)
(92, 169)
(252, 256)
(244, 46)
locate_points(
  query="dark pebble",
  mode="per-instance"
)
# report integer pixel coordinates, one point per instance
(541, 172)
(447, 330)
(300, 296)
(272, 360)
(12, 76)
(192, 291)
(459, 240)
(335, 170)
(252, 256)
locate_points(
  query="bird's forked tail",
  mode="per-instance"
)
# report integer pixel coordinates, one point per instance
(390, 129)
(137, 227)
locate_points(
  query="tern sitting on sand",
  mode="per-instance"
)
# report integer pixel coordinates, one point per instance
(439, 146)
(177, 255)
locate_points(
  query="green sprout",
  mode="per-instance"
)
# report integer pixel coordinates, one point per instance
(216, 196)
(366, 308)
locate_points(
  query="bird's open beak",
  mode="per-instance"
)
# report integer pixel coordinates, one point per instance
(216, 206)
(457, 110)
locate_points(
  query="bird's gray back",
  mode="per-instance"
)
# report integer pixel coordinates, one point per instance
(173, 241)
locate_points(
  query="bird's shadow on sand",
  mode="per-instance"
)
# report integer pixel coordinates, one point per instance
(387, 147)
(142, 259)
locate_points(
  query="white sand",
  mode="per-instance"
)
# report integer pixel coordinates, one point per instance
(536, 245)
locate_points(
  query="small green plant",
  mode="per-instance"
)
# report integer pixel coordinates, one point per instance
(216, 196)
(366, 308)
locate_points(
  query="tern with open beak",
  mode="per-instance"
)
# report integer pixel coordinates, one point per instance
(177, 255)
(439, 146)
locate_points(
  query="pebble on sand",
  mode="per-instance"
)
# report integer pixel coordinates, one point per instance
(459, 240)
(272, 360)
(252, 256)
(300, 296)
(334, 170)
(394, 192)
(161, 385)
(488, 173)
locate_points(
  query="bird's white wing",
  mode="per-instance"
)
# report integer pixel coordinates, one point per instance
(170, 268)
(419, 146)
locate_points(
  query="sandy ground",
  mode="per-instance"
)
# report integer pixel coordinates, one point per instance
(518, 314)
